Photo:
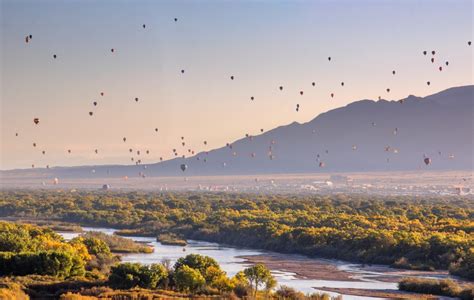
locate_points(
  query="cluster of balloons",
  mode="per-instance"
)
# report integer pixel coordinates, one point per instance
(427, 161)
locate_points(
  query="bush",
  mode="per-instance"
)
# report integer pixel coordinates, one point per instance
(129, 275)
(55, 263)
(443, 287)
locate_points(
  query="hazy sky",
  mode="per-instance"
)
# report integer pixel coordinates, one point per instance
(264, 44)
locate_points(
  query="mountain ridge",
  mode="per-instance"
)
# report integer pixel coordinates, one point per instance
(354, 137)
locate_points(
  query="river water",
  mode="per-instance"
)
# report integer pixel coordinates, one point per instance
(230, 261)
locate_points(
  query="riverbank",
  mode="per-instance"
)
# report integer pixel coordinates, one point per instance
(303, 267)
(386, 294)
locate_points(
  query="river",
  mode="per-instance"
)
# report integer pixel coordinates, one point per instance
(229, 258)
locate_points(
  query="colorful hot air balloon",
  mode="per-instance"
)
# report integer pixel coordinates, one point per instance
(183, 167)
(36, 121)
(427, 160)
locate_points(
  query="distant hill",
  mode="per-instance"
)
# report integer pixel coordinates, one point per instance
(365, 135)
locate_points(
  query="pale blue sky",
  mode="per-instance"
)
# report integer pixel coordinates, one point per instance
(264, 44)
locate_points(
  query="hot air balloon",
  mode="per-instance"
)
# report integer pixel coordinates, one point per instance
(96, 151)
(251, 98)
(281, 88)
(388, 90)
(176, 19)
(469, 43)
(432, 59)
(69, 151)
(301, 93)
(231, 77)
(182, 71)
(55, 56)
(313, 83)
(102, 93)
(130, 150)
(36, 121)
(433, 52)
(321, 164)
(91, 113)
(428, 83)
(440, 68)
(261, 129)
(16, 134)
(95, 103)
(205, 142)
(136, 99)
(424, 52)
(342, 83)
(447, 63)
(44, 152)
(427, 160)
(329, 58)
(112, 50)
(124, 139)
(27, 39)
(332, 95)
(393, 72)
(144, 26)
(183, 167)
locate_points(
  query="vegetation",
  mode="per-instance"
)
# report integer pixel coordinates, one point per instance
(118, 244)
(41, 263)
(418, 233)
(437, 287)
(171, 239)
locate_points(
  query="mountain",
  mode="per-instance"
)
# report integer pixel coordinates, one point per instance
(387, 135)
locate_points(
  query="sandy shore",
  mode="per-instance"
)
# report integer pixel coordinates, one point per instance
(389, 294)
(303, 267)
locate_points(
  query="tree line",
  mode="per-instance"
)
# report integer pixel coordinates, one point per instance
(404, 231)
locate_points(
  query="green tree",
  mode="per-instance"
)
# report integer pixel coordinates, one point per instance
(188, 279)
(129, 275)
(207, 266)
(258, 275)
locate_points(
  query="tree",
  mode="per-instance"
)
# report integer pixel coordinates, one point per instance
(257, 276)
(188, 279)
(201, 263)
(96, 246)
(128, 275)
